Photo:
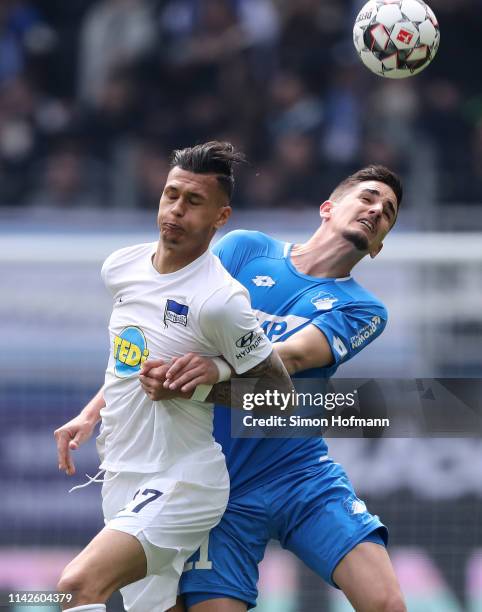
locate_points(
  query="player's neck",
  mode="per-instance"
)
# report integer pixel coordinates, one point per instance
(325, 257)
(167, 259)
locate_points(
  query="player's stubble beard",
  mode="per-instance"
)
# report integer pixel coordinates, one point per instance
(358, 239)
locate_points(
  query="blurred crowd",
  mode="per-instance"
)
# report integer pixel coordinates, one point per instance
(94, 94)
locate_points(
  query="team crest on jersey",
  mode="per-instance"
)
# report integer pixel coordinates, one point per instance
(130, 351)
(175, 313)
(263, 281)
(353, 505)
(323, 300)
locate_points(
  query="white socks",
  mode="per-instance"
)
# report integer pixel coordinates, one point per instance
(89, 607)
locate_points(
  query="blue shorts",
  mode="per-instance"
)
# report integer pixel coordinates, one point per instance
(313, 512)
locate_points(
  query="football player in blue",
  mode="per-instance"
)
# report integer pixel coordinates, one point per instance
(290, 489)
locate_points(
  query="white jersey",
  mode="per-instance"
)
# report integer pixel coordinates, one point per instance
(199, 308)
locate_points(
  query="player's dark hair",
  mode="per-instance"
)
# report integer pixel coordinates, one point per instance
(371, 173)
(212, 157)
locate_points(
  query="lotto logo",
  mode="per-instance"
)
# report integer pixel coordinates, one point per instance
(405, 37)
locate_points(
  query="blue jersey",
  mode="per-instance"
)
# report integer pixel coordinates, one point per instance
(285, 301)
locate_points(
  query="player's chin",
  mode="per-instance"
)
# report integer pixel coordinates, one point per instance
(171, 236)
(358, 238)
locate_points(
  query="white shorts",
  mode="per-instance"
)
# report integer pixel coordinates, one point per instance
(170, 518)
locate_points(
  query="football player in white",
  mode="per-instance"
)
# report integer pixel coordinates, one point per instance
(165, 484)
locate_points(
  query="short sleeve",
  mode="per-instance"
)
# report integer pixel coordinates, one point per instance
(228, 322)
(351, 327)
(236, 248)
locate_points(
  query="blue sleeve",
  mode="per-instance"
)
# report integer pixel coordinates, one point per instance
(351, 327)
(237, 248)
(240, 246)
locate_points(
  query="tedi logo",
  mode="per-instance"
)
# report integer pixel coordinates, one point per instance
(130, 351)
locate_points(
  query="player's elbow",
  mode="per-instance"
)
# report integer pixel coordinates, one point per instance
(292, 360)
(293, 364)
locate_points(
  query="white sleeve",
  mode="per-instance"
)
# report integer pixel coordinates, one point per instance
(228, 322)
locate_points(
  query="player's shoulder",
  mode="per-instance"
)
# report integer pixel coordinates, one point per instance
(249, 243)
(115, 264)
(129, 253)
(223, 288)
(353, 295)
(220, 281)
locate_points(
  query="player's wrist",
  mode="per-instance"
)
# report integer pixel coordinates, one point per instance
(224, 369)
(90, 415)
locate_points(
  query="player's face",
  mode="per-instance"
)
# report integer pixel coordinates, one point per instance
(192, 207)
(364, 215)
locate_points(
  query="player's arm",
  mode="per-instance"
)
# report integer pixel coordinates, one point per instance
(77, 431)
(324, 342)
(190, 371)
(271, 375)
(304, 350)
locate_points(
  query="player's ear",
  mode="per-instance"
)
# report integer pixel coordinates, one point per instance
(325, 209)
(375, 250)
(223, 216)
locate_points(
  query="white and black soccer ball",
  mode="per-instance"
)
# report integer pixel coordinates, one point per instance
(396, 38)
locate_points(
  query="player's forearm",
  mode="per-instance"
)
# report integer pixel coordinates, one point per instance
(91, 411)
(289, 357)
(271, 375)
(305, 350)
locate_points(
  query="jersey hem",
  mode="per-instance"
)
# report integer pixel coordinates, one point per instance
(134, 469)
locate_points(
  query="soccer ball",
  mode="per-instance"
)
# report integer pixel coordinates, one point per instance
(396, 38)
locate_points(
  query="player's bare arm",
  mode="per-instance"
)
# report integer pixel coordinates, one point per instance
(271, 375)
(185, 373)
(304, 350)
(77, 431)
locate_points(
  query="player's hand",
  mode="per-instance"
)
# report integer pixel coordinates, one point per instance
(187, 372)
(152, 379)
(69, 437)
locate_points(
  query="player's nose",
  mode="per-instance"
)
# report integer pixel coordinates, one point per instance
(178, 208)
(376, 209)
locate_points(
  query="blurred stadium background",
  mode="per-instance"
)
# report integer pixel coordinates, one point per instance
(93, 96)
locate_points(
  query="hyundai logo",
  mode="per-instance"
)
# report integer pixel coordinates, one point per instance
(246, 340)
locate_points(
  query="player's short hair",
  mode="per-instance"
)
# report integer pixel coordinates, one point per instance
(374, 172)
(214, 157)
